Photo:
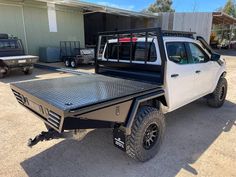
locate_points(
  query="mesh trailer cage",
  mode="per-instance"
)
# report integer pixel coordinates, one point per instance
(69, 49)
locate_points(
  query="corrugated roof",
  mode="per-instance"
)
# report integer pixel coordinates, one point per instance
(223, 18)
(91, 7)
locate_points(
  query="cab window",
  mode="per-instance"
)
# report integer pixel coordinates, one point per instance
(197, 54)
(177, 52)
(138, 51)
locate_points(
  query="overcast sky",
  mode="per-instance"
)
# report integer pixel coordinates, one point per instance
(178, 5)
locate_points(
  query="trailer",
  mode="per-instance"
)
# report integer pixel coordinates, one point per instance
(73, 55)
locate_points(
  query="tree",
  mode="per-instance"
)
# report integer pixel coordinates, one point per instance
(160, 6)
(230, 8)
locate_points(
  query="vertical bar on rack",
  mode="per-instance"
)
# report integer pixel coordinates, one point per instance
(107, 51)
(75, 52)
(65, 45)
(97, 53)
(146, 49)
(70, 49)
(131, 47)
(118, 48)
(60, 51)
(162, 52)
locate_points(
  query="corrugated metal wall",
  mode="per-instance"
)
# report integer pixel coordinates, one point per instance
(12, 21)
(29, 21)
(201, 22)
(196, 22)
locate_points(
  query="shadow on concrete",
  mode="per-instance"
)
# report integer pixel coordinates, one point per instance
(191, 130)
(227, 52)
(61, 65)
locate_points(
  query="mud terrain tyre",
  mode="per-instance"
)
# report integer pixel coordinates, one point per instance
(217, 98)
(147, 134)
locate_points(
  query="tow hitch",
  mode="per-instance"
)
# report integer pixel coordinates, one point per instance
(44, 136)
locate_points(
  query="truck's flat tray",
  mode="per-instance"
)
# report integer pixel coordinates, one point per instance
(82, 90)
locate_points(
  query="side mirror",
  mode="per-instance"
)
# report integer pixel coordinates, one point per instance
(215, 57)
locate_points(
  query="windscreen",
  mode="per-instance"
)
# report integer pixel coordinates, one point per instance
(9, 44)
(135, 51)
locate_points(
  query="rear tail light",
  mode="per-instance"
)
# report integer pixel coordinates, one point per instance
(128, 39)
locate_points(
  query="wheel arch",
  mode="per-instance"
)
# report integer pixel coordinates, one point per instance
(221, 75)
(150, 99)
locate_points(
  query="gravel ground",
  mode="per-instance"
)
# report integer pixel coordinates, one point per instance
(199, 141)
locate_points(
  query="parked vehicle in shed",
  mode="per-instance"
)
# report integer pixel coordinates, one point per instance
(140, 75)
(12, 56)
(73, 55)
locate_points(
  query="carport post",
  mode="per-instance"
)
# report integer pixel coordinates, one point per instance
(222, 32)
(231, 32)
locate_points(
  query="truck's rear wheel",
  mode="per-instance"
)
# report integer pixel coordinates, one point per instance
(67, 63)
(73, 64)
(146, 135)
(217, 98)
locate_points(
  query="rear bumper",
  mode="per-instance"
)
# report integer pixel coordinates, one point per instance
(22, 68)
(17, 63)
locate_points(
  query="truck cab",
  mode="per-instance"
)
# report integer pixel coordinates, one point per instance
(190, 71)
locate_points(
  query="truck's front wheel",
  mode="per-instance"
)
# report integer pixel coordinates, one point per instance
(146, 135)
(217, 98)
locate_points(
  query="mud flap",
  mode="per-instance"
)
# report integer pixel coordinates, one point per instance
(119, 139)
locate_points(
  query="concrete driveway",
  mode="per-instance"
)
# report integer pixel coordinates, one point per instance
(199, 141)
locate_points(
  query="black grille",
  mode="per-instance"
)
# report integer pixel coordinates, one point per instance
(54, 119)
(19, 97)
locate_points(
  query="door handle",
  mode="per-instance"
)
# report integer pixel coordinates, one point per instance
(198, 71)
(174, 75)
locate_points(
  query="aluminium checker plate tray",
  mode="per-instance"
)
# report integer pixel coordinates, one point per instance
(83, 90)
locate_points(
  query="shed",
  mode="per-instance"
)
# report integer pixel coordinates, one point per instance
(44, 23)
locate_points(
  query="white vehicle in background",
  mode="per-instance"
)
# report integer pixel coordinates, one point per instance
(140, 74)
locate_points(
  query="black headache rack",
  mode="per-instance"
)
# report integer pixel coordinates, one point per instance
(130, 35)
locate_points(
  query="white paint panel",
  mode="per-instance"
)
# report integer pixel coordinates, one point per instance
(52, 19)
(201, 23)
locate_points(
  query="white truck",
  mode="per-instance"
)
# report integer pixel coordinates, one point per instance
(140, 75)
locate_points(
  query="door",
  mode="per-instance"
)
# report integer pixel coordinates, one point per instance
(205, 70)
(180, 75)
